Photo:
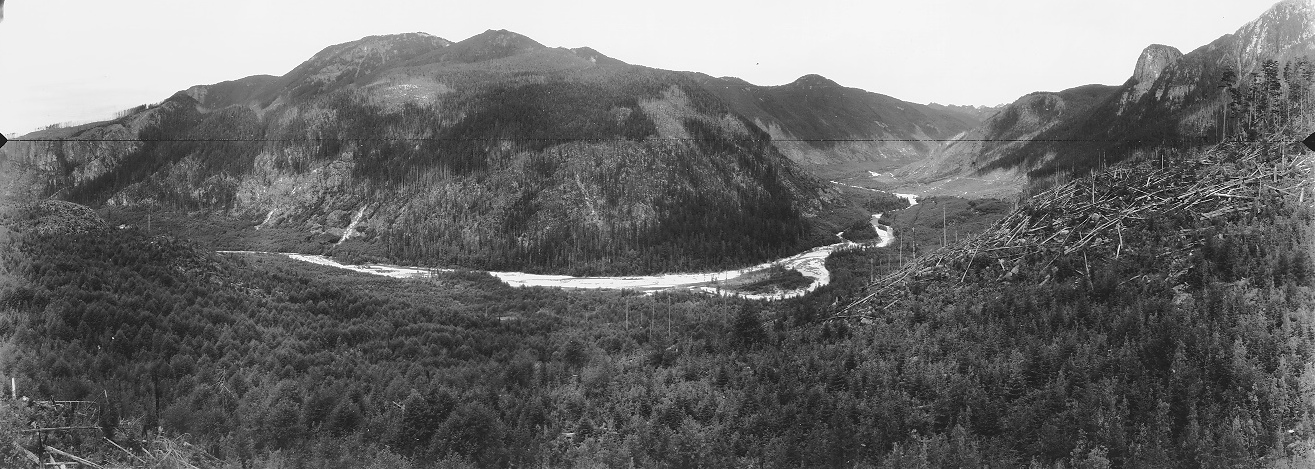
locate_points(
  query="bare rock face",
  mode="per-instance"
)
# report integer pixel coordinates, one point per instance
(1284, 32)
(1154, 59)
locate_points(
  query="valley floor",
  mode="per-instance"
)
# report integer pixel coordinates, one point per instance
(1156, 314)
(997, 184)
(811, 264)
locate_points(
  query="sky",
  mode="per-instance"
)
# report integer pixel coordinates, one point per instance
(82, 60)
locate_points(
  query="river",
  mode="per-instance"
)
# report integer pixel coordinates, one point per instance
(810, 263)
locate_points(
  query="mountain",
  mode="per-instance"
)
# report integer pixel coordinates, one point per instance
(1157, 314)
(977, 113)
(1171, 100)
(832, 129)
(345, 64)
(491, 152)
(594, 56)
(958, 165)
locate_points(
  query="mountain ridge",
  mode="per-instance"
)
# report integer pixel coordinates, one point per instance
(1171, 99)
(491, 152)
(1008, 130)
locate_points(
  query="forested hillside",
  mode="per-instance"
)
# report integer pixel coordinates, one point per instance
(1154, 308)
(1172, 338)
(1156, 314)
(495, 152)
(541, 176)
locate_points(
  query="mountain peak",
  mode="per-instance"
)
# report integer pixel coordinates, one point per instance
(490, 45)
(1286, 24)
(1294, 5)
(1151, 64)
(363, 57)
(1154, 58)
(381, 48)
(500, 37)
(813, 80)
(588, 53)
(407, 43)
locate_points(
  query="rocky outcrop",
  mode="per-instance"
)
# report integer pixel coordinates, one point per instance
(1152, 62)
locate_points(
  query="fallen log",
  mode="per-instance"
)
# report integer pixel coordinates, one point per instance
(58, 429)
(26, 454)
(75, 458)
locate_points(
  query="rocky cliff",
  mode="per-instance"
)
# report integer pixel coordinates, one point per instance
(1154, 59)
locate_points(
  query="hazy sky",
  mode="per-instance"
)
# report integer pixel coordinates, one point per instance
(82, 60)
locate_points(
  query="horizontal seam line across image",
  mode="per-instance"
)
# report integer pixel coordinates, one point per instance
(561, 139)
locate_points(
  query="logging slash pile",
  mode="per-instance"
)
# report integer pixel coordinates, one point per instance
(69, 434)
(1087, 217)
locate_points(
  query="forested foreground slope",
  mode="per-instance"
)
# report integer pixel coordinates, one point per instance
(1152, 314)
(1176, 332)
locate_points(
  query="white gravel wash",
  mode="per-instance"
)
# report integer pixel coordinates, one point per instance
(811, 264)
